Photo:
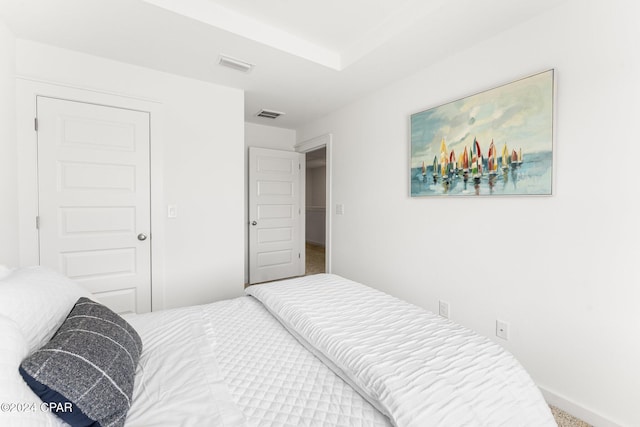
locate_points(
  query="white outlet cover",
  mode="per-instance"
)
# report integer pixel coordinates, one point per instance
(502, 329)
(443, 309)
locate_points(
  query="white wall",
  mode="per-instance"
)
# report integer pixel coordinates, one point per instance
(202, 132)
(568, 280)
(316, 182)
(262, 136)
(8, 154)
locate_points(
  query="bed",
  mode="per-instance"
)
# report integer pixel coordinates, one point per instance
(311, 351)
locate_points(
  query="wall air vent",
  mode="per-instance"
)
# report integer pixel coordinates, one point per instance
(269, 114)
(236, 64)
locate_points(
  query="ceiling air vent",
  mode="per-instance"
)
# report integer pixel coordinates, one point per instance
(236, 64)
(269, 114)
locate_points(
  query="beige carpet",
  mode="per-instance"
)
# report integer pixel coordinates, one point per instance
(314, 259)
(563, 419)
(315, 264)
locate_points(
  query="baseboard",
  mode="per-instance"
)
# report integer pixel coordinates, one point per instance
(576, 410)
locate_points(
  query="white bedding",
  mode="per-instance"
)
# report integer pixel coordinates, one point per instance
(274, 379)
(420, 369)
(178, 382)
(231, 363)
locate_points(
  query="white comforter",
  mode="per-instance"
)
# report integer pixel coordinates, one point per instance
(416, 367)
(274, 379)
(232, 364)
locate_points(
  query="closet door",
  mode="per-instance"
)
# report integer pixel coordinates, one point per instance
(94, 199)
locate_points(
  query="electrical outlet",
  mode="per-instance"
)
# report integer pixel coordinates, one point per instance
(502, 329)
(172, 211)
(443, 309)
(339, 209)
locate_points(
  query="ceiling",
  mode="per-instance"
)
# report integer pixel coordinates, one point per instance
(311, 57)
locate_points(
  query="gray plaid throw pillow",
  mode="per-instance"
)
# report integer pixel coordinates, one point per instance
(91, 363)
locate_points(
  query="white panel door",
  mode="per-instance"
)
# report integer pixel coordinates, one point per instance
(94, 199)
(275, 225)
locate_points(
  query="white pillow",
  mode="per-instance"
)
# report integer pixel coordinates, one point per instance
(14, 391)
(38, 300)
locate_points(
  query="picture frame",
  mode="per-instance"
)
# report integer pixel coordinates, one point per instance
(498, 142)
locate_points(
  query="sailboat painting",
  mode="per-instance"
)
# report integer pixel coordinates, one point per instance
(504, 136)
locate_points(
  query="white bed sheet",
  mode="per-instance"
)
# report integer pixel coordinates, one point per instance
(178, 382)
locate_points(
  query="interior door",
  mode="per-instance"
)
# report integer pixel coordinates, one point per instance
(275, 214)
(94, 199)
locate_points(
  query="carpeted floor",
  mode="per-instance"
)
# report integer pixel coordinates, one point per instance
(314, 259)
(315, 263)
(563, 419)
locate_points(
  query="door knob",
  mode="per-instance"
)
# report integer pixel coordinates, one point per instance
(254, 223)
(142, 236)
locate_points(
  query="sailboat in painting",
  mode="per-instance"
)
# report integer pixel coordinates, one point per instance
(444, 159)
(453, 165)
(505, 158)
(492, 161)
(464, 166)
(435, 169)
(516, 158)
(476, 159)
(492, 166)
(451, 170)
(464, 162)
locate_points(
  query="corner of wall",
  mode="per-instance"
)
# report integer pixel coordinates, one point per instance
(8, 149)
(576, 410)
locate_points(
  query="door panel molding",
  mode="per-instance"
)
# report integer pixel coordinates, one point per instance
(97, 177)
(276, 221)
(27, 90)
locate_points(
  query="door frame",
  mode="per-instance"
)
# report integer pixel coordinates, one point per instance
(27, 91)
(312, 144)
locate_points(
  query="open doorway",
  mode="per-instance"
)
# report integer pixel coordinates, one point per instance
(318, 151)
(315, 211)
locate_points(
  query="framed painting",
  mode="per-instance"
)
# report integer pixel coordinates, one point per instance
(497, 142)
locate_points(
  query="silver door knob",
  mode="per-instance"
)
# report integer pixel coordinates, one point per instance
(254, 223)
(142, 236)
